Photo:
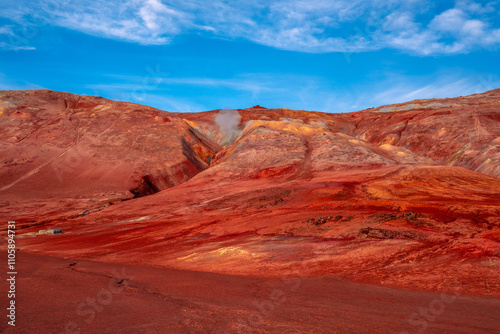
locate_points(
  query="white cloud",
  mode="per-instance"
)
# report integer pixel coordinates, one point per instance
(457, 23)
(145, 21)
(299, 25)
(477, 8)
(160, 18)
(448, 21)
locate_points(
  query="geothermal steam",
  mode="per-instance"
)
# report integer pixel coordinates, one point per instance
(228, 120)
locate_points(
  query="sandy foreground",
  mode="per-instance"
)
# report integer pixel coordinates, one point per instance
(55, 295)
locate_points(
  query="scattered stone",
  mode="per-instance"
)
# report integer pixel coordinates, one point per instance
(411, 216)
(378, 233)
(319, 221)
(49, 231)
(385, 216)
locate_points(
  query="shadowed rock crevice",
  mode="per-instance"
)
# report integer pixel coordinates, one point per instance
(146, 187)
(198, 150)
(189, 153)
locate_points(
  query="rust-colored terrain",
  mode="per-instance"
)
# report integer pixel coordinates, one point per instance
(405, 196)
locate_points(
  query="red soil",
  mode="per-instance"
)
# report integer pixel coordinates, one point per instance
(71, 296)
(404, 196)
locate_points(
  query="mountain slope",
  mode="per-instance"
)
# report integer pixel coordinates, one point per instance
(463, 131)
(404, 195)
(83, 152)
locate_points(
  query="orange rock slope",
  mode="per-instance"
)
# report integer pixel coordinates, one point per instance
(404, 195)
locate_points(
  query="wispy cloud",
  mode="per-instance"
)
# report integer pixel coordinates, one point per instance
(253, 85)
(253, 82)
(137, 93)
(170, 103)
(145, 22)
(11, 84)
(391, 88)
(9, 46)
(268, 89)
(6, 30)
(7, 33)
(413, 26)
(404, 89)
(297, 92)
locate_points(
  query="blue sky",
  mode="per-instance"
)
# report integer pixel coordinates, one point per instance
(196, 55)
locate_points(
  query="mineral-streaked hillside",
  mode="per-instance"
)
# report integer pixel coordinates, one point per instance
(403, 195)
